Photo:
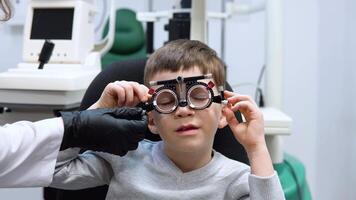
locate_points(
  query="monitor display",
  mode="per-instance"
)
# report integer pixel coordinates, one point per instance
(52, 23)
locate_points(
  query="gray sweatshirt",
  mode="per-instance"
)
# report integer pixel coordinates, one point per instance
(148, 173)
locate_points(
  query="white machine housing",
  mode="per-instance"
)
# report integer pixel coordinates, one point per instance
(73, 65)
(69, 24)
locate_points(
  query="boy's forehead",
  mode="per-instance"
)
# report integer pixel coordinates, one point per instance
(168, 75)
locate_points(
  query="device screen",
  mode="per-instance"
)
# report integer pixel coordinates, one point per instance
(52, 23)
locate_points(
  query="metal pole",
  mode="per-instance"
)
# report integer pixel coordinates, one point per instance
(223, 30)
(198, 26)
(150, 5)
(274, 69)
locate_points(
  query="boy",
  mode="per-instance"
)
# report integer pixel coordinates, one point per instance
(185, 109)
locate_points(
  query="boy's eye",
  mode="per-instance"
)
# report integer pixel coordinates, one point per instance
(199, 93)
(199, 96)
(166, 99)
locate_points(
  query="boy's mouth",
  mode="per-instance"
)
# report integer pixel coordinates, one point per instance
(186, 128)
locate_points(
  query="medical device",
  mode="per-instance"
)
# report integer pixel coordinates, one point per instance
(75, 60)
(69, 24)
(183, 91)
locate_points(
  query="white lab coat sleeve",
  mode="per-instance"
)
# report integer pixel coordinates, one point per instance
(79, 171)
(28, 152)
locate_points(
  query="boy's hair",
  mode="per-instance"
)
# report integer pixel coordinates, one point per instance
(185, 54)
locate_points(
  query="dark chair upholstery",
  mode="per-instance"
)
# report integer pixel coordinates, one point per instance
(132, 70)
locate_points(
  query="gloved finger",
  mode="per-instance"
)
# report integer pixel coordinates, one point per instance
(130, 113)
(136, 129)
(119, 150)
(138, 133)
(133, 146)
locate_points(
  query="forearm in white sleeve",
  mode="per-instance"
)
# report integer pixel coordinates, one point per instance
(28, 152)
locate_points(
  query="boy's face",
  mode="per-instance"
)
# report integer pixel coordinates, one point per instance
(186, 129)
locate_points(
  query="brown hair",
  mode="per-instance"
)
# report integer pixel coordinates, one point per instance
(5, 6)
(183, 55)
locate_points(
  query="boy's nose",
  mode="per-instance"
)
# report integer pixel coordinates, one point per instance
(183, 111)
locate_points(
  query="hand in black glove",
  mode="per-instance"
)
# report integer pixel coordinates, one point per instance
(115, 131)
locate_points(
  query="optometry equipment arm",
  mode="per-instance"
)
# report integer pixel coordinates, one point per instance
(114, 131)
(181, 79)
(46, 53)
(220, 98)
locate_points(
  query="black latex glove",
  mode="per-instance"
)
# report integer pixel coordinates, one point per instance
(114, 131)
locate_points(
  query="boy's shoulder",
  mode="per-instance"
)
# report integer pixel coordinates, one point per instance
(147, 145)
(231, 166)
(144, 148)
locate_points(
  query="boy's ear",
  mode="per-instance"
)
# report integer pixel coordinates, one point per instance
(151, 123)
(222, 120)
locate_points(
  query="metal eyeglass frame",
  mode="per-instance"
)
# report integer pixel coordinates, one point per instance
(184, 85)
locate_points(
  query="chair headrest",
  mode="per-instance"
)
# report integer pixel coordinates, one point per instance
(129, 34)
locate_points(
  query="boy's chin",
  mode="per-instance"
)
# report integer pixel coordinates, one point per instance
(191, 146)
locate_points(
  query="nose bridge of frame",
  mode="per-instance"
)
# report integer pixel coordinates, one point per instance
(182, 91)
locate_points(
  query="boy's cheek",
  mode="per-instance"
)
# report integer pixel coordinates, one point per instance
(216, 109)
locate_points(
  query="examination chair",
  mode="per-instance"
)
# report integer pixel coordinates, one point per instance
(132, 70)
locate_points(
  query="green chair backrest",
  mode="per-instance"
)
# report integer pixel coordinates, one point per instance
(129, 42)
